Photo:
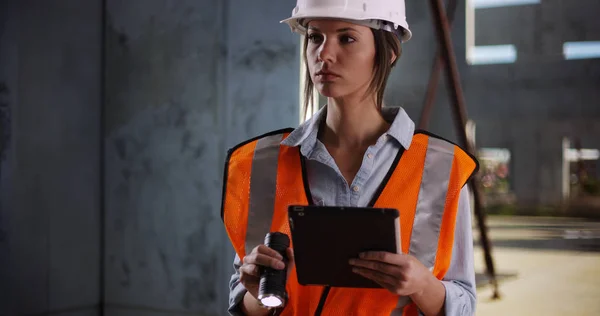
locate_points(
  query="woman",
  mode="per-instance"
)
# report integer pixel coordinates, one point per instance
(355, 152)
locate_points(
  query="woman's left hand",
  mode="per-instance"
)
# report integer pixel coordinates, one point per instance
(401, 274)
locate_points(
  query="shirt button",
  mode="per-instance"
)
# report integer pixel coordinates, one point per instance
(355, 188)
(370, 156)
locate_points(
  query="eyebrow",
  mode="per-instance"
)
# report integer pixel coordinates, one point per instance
(339, 30)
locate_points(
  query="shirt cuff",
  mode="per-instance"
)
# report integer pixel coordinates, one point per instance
(236, 296)
(458, 301)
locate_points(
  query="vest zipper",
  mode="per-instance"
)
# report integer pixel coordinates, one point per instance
(322, 300)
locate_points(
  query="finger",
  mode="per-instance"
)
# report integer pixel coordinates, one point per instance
(262, 249)
(383, 285)
(384, 280)
(382, 256)
(249, 280)
(250, 269)
(382, 267)
(264, 260)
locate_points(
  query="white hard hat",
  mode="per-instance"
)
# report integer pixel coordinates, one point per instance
(389, 15)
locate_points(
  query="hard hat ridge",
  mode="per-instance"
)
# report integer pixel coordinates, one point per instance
(389, 15)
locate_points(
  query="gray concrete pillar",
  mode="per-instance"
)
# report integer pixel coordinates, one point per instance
(186, 80)
(49, 235)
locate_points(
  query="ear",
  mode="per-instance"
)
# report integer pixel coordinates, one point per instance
(393, 59)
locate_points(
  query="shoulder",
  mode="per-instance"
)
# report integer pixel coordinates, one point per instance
(438, 143)
(266, 140)
(443, 146)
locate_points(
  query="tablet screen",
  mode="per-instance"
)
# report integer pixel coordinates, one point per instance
(325, 238)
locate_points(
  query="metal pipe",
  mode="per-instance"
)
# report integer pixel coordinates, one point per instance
(432, 87)
(434, 78)
(460, 118)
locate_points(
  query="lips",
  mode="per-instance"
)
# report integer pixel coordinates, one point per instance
(326, 76)
(326, 73)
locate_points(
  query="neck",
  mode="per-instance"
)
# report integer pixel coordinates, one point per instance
(352, 123)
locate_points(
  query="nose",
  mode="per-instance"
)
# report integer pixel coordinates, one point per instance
(326, 52)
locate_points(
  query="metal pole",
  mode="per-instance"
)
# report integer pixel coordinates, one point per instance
(434, 79)
(436, 72)
(460, 119)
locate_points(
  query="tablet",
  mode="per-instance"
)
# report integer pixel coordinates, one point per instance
(325, 238)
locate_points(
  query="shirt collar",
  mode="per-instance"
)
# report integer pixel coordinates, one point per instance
(402, 129)
(306, 134)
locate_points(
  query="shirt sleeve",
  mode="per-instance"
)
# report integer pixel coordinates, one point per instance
(236, 289)
(460, 278)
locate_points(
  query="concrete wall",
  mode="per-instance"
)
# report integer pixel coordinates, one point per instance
(162, 149)
(8, 78)
(263, 69)
(183, 81)
(50, 172)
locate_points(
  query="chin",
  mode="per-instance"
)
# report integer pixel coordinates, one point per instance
(330, 91)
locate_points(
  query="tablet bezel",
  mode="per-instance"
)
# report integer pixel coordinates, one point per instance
(351, 229)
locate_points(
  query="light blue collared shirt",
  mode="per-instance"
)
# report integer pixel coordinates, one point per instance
(329, 187)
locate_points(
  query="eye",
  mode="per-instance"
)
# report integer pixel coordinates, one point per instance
(314, 38)
(346, 39)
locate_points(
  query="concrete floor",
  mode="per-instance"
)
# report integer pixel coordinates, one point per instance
(553, 267)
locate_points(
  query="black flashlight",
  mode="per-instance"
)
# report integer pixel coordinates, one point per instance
(271, 290)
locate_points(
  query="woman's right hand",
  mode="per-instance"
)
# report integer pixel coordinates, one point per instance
(261, 256)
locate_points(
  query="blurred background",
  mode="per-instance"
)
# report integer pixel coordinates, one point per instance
(116, 117)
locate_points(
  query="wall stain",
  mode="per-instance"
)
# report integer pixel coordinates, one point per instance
(120, 146)
(126, 282)
(185, 140)
(122, 39)
(119, 226)
(126, 173)
(198, 151)
(165, 265)
(147, 165)
(266, 57)
(165, 62)
(162, 116)
(194, 245)
(204, 262)
(198, 292)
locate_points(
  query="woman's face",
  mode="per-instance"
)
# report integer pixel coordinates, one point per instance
(340, 57)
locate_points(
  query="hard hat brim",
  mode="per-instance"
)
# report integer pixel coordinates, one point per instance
(295, 26)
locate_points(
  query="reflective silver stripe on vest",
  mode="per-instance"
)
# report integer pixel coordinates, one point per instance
(430, 206)
(402, 301)
(432, 200)
(263, 181)
(398, 311)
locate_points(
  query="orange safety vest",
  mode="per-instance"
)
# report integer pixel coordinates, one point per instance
(263, 177)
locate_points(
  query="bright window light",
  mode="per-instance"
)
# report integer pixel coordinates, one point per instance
(480, 4)
(581, 50)
(501, 155)
(583, 154)
(493, 54)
